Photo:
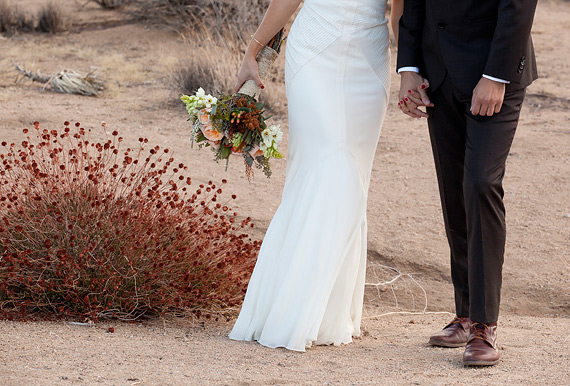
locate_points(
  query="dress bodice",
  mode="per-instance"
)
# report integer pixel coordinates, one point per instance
(355, 14)
(321, 22)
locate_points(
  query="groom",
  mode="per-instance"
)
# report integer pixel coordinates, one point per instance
(478, 58)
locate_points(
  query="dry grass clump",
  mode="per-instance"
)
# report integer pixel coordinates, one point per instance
(50, 19)
(186, 15)
(93, 229)
(216, 33)
(111, 4)
(212, 63)
(13, 20)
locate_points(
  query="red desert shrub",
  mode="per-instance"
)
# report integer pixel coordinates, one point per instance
(89, 229)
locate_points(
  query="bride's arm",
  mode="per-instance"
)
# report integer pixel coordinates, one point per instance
(395, 15)
(277, 15)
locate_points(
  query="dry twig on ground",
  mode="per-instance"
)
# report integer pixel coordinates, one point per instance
(381, 285)
(66, 81)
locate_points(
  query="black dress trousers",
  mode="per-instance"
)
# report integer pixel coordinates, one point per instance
(470, 154)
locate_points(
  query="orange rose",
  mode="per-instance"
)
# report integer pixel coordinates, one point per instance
(204, 116)
(210, 133)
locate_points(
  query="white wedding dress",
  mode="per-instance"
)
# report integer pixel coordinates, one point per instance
(308, 284)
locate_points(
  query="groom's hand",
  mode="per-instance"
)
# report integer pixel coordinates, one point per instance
(487, 98)
(413, 94)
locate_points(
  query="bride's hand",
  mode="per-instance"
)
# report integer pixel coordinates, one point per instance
(415, 96)
(249, 70)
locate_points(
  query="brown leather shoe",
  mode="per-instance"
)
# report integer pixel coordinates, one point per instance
(481, 347)
(455, 334)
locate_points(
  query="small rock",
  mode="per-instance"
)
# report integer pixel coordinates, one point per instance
(111, 330)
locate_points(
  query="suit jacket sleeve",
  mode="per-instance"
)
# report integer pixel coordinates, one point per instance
(410, 34)
(511, 40)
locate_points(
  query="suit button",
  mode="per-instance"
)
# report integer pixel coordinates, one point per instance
(441, 26)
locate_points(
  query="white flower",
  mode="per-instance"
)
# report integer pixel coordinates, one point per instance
(200, 93)
(271, 135)
(267, 137)
(277, 133)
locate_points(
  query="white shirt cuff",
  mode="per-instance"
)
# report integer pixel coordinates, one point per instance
(496, 79)
(411, 69)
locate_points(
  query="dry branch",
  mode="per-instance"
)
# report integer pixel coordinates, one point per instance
(66, 81)
(399, 276)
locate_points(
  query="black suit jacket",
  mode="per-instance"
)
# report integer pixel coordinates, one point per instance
(469, 38)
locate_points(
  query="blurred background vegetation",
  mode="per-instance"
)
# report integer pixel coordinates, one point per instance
(216, 33)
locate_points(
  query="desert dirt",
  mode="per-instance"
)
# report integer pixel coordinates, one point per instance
(405, 229)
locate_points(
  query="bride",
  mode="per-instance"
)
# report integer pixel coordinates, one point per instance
(308, 284)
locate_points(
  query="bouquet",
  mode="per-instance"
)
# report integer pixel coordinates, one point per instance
(235, 124)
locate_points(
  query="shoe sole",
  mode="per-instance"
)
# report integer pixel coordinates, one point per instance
(445, 344)
(480, 363)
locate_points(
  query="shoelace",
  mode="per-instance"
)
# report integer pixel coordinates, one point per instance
(479, 333)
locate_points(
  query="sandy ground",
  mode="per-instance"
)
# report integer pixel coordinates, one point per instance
(392, 352)
(405, 229)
